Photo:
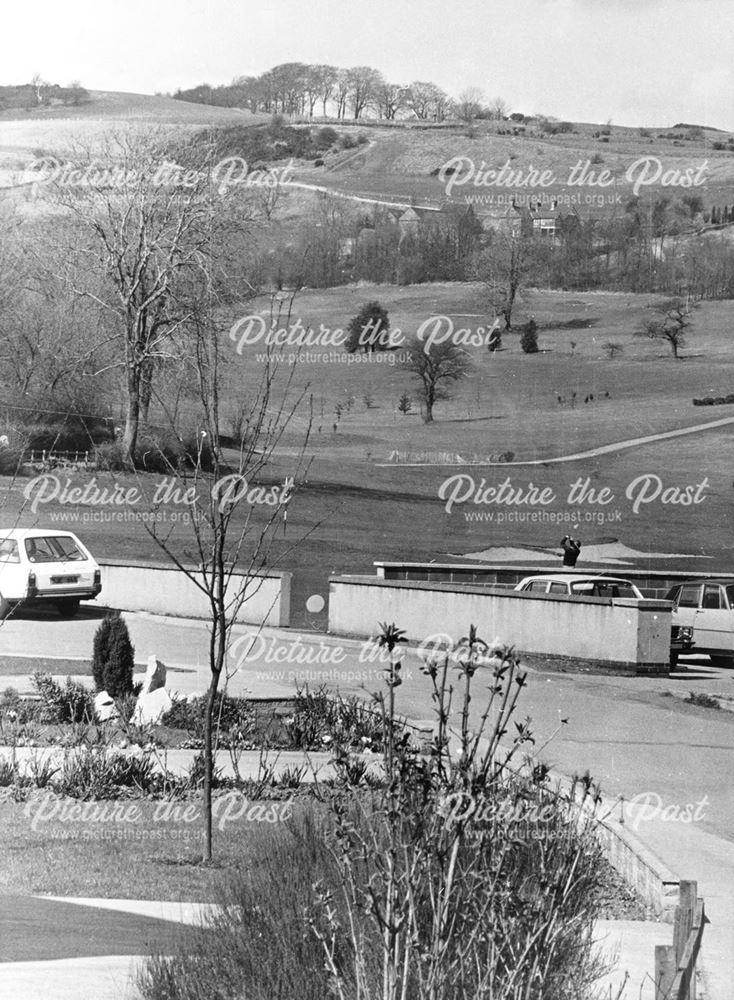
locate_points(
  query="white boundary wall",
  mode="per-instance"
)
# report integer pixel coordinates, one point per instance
(165, 590)
(621, 632)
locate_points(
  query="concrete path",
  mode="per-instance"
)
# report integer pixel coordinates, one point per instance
(103, 942)
(624, 944)
(605, 449)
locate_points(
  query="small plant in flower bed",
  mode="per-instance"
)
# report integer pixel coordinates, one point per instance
(320, 718)
(234, 720)
(67, 702)
(99, 774)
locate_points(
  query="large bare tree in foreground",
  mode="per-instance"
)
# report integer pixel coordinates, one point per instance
(141, 235)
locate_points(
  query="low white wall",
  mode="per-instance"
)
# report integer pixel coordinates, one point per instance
(165, 590)
(621, 632)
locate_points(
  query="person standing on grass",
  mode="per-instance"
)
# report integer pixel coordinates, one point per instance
(571, 549)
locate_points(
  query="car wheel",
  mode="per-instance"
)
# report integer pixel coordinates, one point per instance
(674, 661)
(5, 607)
(67, 607)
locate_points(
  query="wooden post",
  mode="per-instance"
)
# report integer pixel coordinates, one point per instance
(684, 915)
(666, 967)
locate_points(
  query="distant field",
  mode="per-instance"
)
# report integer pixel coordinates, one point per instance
(359, 506)
(54, 129)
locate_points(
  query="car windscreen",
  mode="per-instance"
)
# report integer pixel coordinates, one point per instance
(603, 588)
(9, 551)
(53, 548)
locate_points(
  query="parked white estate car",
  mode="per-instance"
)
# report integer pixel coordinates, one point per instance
(707, 607)
(580, 585)
(41, 566)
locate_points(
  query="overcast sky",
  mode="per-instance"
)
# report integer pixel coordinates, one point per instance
(637, 62)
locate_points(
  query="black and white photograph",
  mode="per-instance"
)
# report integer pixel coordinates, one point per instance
(366, 500)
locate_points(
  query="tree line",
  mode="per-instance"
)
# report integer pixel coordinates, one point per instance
(306, 90)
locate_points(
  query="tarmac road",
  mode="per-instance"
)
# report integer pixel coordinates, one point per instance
(632, 736)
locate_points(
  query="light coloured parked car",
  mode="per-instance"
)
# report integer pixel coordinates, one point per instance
(44, 566)
(707, 606)
(580, 585)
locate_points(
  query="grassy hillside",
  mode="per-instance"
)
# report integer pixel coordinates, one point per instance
(52, 130)
(403, 161)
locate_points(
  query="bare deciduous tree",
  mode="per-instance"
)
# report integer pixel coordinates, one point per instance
(672, 319)
(469, 104)
(503, 267)
(233, 529)
(437, 367)
(141, 234)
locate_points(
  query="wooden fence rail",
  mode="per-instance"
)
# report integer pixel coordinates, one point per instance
(675, 965)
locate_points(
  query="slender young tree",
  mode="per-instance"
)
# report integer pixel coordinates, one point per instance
(234, 520)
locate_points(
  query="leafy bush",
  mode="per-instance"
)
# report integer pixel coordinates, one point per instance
(11, 460)
(258, 945)
(165, 452)
(158, 452)
(702, 699)
(231, 715)
(110, 457)
(67, 702)
(71, 432)
(113, 657)
(196, 451)
(326, 137)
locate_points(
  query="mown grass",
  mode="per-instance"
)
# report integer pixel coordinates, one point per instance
(358, 510)
(162, 844)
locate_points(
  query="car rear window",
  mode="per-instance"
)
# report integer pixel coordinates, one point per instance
(9, 550)
(614, 590)
(53, 548)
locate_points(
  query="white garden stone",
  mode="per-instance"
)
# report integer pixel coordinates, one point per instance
(104, 707)
(153, 678)
(151, 705)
